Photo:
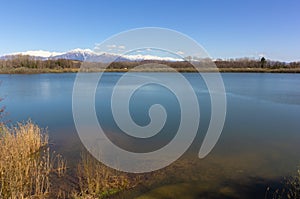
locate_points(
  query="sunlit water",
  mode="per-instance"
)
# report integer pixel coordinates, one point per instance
(259, 144)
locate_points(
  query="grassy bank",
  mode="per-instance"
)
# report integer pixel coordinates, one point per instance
(23, 70)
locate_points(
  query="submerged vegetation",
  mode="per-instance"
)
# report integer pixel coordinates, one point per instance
(26, 64)
(290, 188)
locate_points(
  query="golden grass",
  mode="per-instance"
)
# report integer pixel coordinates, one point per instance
(25, 162)
(60, 165)
(99, 181)
(26, 168)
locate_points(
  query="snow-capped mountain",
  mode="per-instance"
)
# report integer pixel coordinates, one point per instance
(88, 55)
(76, 54)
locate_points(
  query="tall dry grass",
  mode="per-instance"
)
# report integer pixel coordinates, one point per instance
(99, 181)
(25, 162)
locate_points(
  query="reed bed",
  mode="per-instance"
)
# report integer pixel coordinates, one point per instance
(26, 162)
(99, 181)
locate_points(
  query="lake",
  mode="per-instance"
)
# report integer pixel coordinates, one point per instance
(258, 147)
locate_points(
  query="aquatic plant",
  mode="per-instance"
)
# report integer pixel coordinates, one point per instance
(290, 188)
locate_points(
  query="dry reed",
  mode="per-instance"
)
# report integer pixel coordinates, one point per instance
(99, 181)
(25, 162)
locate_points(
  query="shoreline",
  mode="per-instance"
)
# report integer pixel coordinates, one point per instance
(24, 70)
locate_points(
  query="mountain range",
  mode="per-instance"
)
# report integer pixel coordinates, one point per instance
(89, 55)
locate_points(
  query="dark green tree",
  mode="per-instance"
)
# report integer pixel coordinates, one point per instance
(263, 62)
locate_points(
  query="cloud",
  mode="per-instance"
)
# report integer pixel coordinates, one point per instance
(111, 46)
(180, 52)
(38, 53)
(150, 57)
(114, 46)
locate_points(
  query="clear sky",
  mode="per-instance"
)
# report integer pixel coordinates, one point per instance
(226, 29)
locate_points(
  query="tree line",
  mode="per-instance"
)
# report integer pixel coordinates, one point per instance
(26, 61)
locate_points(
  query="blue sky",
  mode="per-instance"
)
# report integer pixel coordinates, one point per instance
(226, 29)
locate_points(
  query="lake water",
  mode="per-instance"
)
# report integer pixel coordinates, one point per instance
(259, 144)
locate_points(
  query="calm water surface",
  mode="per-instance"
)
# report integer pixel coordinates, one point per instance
(259, 144)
